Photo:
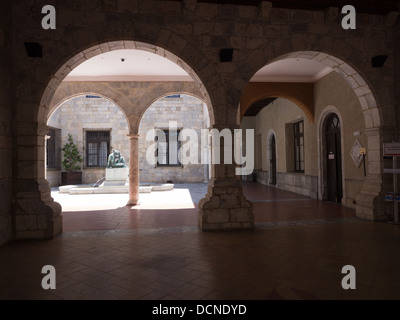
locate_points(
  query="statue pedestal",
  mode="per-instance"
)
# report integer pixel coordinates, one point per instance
(116, 176)
(116, 180)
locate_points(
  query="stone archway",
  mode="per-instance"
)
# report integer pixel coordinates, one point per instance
(66, 92)
(71, 113)
(133, 98)
(356, 82)
(366, 204)
(89, 53)
(372, 188)
(37, 215)
(184, 113)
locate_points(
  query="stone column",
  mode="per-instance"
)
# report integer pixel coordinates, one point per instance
(224, 206)
(35, 214)
(133, 170)
(371, 203)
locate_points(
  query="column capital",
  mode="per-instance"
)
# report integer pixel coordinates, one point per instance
(133, 136)
(222, 126)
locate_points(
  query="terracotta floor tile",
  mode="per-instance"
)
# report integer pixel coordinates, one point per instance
(296, 251)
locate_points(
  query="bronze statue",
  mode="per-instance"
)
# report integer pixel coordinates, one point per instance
(115, 160)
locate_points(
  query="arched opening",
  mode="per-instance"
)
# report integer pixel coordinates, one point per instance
(333, 156)
(300, 85)
(283, 131)
(272, 159)
(172, 150)
(133, 88)
(187, 115)
(338, 162)
(97, 126)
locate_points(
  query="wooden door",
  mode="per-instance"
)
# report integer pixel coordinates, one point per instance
(334, 159)
(273, 161)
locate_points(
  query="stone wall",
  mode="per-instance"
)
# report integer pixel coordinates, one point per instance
(81, 114)
(188, 113)
(6, 147)
(396, 43)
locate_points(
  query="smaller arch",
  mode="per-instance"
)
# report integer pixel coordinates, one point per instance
(68, 91)
(151, 101)
(326, 113)
(81, 115)
(58, 104)
(302, 94)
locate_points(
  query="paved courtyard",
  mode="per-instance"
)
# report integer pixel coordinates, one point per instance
(297, 251)
(178, 209)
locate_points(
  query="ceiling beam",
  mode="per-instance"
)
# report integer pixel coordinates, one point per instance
(362, 6)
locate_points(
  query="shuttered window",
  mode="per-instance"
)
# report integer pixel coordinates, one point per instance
(97, 148)
(299, 146)
(53, 149)
(168, 146)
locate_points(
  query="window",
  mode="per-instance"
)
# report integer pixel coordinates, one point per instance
(168, 146)
(97, 148)
(299, 146)
(53, 149)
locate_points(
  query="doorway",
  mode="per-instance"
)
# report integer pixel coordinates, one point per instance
(334, 159)
(272, 161)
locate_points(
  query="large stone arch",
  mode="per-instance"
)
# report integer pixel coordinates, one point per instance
(82, 56)
(369, 201)
(355, 80)
(36, 213)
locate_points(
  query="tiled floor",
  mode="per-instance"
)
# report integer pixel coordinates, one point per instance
(296, 251)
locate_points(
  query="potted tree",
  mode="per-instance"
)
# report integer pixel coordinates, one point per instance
(72, 157)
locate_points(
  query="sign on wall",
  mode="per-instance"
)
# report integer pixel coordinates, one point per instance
(355, 153)
(391, 149)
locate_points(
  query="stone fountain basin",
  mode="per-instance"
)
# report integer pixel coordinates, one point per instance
(88, 189)
(158, 186)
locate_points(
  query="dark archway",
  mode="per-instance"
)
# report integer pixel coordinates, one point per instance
(333, 156)
(272, 160)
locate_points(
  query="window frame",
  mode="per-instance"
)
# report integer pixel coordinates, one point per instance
(168, 164)
(53, 149)
(298, 135)
(99, 139)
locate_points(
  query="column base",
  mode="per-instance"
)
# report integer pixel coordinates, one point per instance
(132, 203)
(225, 208)
(371, 203)
(36, 215)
